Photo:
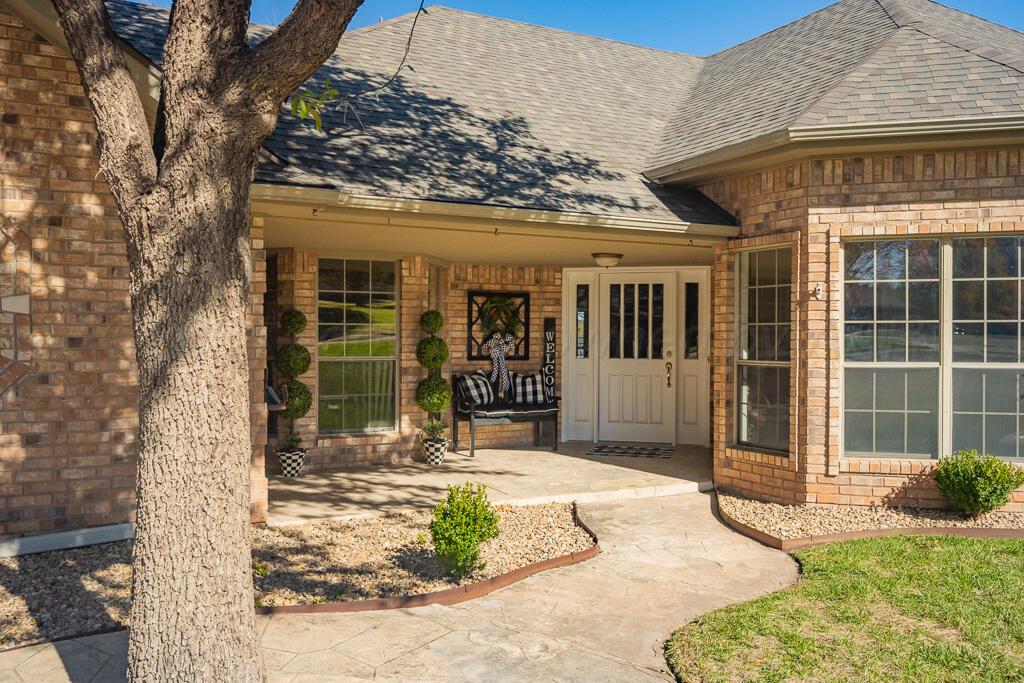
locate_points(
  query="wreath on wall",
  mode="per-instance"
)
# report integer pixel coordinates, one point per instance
(494, 316)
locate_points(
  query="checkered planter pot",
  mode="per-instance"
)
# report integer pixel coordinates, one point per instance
(435, 450)
(291, 462)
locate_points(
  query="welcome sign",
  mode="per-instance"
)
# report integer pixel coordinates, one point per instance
(547, 368)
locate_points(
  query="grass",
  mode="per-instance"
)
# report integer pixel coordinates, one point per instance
(887, 609)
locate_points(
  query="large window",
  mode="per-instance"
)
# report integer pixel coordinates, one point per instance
(765, 284)
(932, 327)
(357, 354)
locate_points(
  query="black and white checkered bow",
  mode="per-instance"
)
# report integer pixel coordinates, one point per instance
(500, 347)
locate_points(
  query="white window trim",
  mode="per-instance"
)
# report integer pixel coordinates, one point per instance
(945, 364)
(737, 363)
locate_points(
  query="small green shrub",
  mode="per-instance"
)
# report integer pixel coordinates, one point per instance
(293, 360)
(462, 521)
(431, 322)
(300, 400)
(431, 352)
(293, 322)
(433, 395)
(433, 430)
(976, 484)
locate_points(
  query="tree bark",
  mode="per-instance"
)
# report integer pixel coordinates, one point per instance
(183, 197)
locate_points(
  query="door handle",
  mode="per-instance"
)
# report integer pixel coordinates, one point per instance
(668, 374)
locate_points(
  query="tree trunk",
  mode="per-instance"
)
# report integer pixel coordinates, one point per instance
(192, 613)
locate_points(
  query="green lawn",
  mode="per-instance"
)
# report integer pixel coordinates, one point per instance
(915, 609)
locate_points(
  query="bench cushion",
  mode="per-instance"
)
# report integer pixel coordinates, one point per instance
(511, 410)
(477, 388)
(528, 389)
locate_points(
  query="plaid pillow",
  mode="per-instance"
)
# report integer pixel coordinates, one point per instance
(477, 388)
(528, 389)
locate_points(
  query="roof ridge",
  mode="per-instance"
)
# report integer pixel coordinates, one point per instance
(580, 34)
(820, 108)
(908, 14)
(785, 26)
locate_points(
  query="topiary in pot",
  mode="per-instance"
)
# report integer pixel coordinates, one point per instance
(292, 360)
(975, 483)
(433, 394)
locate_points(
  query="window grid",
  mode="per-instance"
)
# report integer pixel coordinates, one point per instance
(998, 259)
(357, 359)
(764, 280)
(992, 410)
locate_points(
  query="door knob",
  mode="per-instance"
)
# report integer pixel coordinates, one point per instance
(668, 374)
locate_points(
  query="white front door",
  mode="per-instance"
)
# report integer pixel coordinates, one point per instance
(637, 364)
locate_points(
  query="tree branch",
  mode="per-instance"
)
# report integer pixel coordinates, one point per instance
(299, 45)
(126, 154)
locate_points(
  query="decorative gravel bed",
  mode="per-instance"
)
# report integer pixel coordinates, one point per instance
(801, 521)
(71, 592)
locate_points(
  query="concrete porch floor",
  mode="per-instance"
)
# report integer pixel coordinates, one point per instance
(522, 476)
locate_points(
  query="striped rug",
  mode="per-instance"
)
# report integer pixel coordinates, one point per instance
(632, 450)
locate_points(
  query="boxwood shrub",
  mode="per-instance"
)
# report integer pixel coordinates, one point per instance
(433, 395)
(293, 360)
(431, 352)
(462, 521)
(975, 483)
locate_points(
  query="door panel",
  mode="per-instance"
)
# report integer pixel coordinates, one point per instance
(637, 388)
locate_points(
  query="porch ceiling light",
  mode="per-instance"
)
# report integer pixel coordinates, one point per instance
(606, 259)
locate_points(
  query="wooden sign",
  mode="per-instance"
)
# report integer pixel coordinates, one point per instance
(547, 368)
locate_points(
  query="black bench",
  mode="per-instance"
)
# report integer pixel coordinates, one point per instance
(464, 409)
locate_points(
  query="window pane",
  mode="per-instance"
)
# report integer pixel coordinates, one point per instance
(332, 378)
(892, 301)
(968, 342)
(968, 300)
(892, 260)
(860, 260)
(383, 276)
(331, 274)
(890, 433)
(968, 258)
(766, 273)
(860, 302)
(923, 301)
(890, 389)
(766, 342)
(891, 411)
(923, 343)
(629, 320)
(583, 321)
(331, 307)
(643, 321)
(892, 342)
(1001, 300)
(1002, 257)
(691, 342)
(859, 430)
(782, 339)
(357, 276)
(923, 259)
(657, 319)
(763, 410)
(860, 389)
(1002, 343)
(614, 321)
(860, 342)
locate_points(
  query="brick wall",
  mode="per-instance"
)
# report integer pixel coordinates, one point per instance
(815, 204)
(67, 427)
(68, 409)
(544, 285)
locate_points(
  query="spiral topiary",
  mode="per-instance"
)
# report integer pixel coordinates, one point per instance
(433, 394)
(293, 360)
(432, 352)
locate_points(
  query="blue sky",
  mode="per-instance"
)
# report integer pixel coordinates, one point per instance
(684, 25)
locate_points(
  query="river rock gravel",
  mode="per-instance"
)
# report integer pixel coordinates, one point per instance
(801, 521)
(84, 590)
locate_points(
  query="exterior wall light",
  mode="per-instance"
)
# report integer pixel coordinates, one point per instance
(606, 260)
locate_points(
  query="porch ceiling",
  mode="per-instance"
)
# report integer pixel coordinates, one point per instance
(478, 235)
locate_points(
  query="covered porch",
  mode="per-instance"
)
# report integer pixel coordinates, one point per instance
(522, 476)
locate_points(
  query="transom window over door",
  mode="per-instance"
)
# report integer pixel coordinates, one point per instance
(763, 365)
(357, 351)
(932, 323)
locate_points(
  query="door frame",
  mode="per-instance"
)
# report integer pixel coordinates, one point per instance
(572, 366)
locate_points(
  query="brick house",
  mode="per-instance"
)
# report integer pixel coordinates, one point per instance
(818, 230)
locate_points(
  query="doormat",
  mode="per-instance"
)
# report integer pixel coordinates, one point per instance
(632, 451)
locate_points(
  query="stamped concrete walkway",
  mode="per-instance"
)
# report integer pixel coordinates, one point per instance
(665, 560)
(523, 476)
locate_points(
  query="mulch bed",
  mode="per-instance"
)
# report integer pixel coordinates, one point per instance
(806, 521)
(73, 592)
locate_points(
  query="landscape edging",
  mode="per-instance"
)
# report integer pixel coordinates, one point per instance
(449, 596)
(791, 544)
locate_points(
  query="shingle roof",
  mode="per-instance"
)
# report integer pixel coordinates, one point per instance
(854, 61)
(492, 112)
(498, 112)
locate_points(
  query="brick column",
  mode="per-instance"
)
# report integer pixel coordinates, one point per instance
(257, 346)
